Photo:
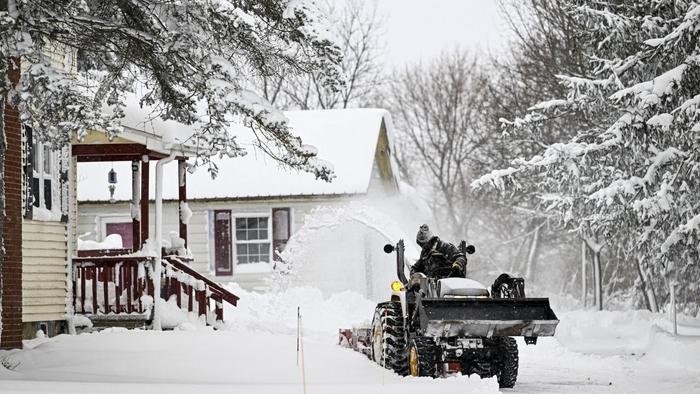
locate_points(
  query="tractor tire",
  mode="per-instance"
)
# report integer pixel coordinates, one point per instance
(388, 338)
(507, 372)
(423, 356)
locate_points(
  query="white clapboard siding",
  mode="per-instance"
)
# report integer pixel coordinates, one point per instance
(44, 255)
(91, 214)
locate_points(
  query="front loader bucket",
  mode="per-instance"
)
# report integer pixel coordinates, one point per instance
(487, 317)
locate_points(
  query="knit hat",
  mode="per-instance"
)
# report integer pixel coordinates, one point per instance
(424, 235)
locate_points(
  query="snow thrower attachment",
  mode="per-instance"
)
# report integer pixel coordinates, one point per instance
(435, 327)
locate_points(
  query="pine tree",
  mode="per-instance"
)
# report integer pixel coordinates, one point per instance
(631, 176)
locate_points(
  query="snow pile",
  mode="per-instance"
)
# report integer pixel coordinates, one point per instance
(277, 312)
(112, 241)
(249, 268)
(185, 212)
(45, 215)
(175, 245)
(623, 332)
(172, 316)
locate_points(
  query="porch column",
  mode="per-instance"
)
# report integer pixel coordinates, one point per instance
(135, 200)
(144, 200)
(182, 196)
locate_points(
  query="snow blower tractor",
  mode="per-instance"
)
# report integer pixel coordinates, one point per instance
(437, 327)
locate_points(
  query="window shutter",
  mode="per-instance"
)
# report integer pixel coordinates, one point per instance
(28, 172)
(281, 229)
(64, 164)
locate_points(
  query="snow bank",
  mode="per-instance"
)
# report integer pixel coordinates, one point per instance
(112, 241)
(172, 316)
(277, 312)
(639, 334)
(206, 361)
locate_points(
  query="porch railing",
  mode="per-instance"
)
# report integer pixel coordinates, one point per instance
(123, 285)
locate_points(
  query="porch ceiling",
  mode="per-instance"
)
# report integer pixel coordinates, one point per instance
(129, 145)
(113, 152)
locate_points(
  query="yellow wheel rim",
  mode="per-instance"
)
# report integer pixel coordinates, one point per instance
(413, 361)
(377, 345)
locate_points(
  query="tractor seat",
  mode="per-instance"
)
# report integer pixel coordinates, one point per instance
(461, 287)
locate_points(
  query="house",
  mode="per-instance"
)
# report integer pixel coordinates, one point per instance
(33, 275)
(46, 281)
(241, 220)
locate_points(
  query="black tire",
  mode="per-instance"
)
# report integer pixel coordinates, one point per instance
(507, 372)
(426, 354)
(388, 337)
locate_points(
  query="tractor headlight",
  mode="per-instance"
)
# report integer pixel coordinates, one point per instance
(396, 286)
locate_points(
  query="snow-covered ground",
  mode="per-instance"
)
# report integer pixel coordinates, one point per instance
(593, 352)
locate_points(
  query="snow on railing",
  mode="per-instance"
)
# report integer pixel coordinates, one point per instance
(180, 280)
(112, 284)
(123, 285)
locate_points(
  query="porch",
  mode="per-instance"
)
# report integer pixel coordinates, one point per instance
(119, 284)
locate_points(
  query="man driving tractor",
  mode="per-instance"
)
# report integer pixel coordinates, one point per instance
(438, 259)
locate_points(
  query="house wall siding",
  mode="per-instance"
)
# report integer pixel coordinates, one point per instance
(44, 259)
(91, 216)
(11, 286)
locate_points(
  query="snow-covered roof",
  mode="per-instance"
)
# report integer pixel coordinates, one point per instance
(346, 138)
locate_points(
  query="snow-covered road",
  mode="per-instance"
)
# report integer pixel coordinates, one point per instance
(206, 361)
(593, 352)
(551, 368)
(247, 362)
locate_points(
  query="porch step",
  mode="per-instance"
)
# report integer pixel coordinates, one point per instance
(130, 321)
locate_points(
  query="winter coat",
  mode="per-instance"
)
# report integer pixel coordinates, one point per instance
(438, 254)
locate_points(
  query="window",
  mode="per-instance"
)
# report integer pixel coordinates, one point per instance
(253, 239)
(44, 175)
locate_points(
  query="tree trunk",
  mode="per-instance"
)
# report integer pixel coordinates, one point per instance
(597, 281)
(647, 288)
(532, 256)
(2, 189)
(595, 248)
(584, 289)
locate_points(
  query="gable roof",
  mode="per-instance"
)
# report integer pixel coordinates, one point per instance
(346, 138)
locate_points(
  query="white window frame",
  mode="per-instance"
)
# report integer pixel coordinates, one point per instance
(107, 219)
(246, 215)
(52, 175)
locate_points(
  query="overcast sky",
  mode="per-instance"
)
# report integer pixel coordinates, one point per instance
(418, 29)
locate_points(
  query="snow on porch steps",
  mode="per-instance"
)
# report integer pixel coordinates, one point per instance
(225, 361)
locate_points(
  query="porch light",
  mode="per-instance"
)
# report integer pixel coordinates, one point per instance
(112, 179)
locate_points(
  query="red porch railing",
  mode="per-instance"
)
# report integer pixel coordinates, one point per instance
(179, 279)
(111, 284)
(114, 285)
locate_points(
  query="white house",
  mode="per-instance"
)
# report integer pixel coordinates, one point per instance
(243, 218)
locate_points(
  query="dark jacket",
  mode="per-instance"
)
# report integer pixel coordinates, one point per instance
(438, 254)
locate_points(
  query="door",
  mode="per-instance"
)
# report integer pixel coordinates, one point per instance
(222, 243)
(125, 230)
